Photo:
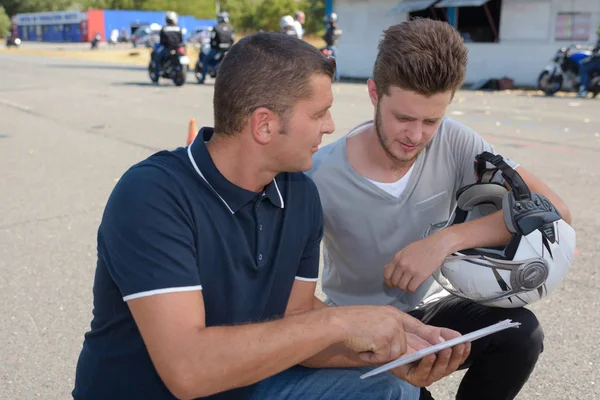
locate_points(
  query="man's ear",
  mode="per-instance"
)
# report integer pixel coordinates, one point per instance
(264, 125)
(372, 89)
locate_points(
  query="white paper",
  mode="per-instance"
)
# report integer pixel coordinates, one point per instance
(406, 359)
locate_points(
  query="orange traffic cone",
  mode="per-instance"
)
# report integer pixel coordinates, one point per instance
(192, 131)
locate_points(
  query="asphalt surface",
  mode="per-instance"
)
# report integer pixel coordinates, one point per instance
(70, 128)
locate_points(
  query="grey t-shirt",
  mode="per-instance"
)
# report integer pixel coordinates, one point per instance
(365, 225)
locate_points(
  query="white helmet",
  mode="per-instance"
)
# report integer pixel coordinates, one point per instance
(530, 266)
(331, 18)
(171, 17)
(286, 21)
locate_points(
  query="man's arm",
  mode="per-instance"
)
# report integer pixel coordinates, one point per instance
(163, 38)
(418, 335)
(232, 41)
(302, 299)
(491, 230)
(417, 261)
(196, 361)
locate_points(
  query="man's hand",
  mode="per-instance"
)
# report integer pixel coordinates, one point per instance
(412, 265)
(433, 367)
(375, 333)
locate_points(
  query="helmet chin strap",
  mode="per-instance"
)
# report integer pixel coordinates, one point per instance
(524, 211)
(516, 183)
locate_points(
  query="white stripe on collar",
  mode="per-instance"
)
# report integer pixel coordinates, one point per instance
(278, 192)
(189, 151)
(191, 157)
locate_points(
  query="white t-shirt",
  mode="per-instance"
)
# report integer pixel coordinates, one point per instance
(298, 28)
(395, 188)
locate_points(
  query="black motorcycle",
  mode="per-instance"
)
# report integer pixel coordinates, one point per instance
(174, 66)
(12, 41)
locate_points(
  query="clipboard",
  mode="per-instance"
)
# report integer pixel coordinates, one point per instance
(406, 359)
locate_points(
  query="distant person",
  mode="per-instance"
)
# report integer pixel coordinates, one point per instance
(124, 37)
(114, 36)
(331, 37)
(222, 38)
(588, 65)
(171, 38)
(299, 19)
(287, 26)
(208, 259)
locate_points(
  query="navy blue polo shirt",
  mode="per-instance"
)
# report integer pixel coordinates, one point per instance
(174, 223)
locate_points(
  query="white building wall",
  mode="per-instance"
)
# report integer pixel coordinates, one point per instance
(526, 37)
(362, 23)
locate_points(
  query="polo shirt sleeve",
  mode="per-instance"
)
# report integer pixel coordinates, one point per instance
(308, 269)
(146, 237)
(465, 145)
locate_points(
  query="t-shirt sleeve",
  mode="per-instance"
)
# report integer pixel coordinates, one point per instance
(465, 145)
(146, 237)
(308, 269)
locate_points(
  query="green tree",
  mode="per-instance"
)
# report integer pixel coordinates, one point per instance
(13, 7)
(197, 8)
(242, 13)
(252, 15)
(269, 12)
(315, 12)
(5, 22)
(246, 15)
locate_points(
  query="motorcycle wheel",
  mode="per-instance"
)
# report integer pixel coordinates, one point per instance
(179, 78)
(153, 76)
(595, 86)
(198, 71)
(549, 84)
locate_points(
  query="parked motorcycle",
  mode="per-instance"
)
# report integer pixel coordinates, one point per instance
(174, 66)
(563, 72)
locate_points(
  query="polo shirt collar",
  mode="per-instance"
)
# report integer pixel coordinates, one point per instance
(233, 196)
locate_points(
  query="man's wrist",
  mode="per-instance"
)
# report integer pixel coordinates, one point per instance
(333, 323)
(451, 239)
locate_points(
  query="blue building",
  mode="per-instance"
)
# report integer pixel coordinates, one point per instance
(81, 26)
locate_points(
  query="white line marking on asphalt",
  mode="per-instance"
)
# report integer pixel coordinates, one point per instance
(15, 105)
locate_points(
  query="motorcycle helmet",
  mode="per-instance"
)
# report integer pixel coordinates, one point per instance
(286, 21)
(534, 261)
(223, 17)
(331, 18)
(171, 18)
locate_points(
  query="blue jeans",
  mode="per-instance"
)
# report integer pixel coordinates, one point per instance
(301, 383)
(210, 58)
(159, 55)
(585, 69)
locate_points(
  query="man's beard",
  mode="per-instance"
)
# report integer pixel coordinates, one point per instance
(385, 140)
